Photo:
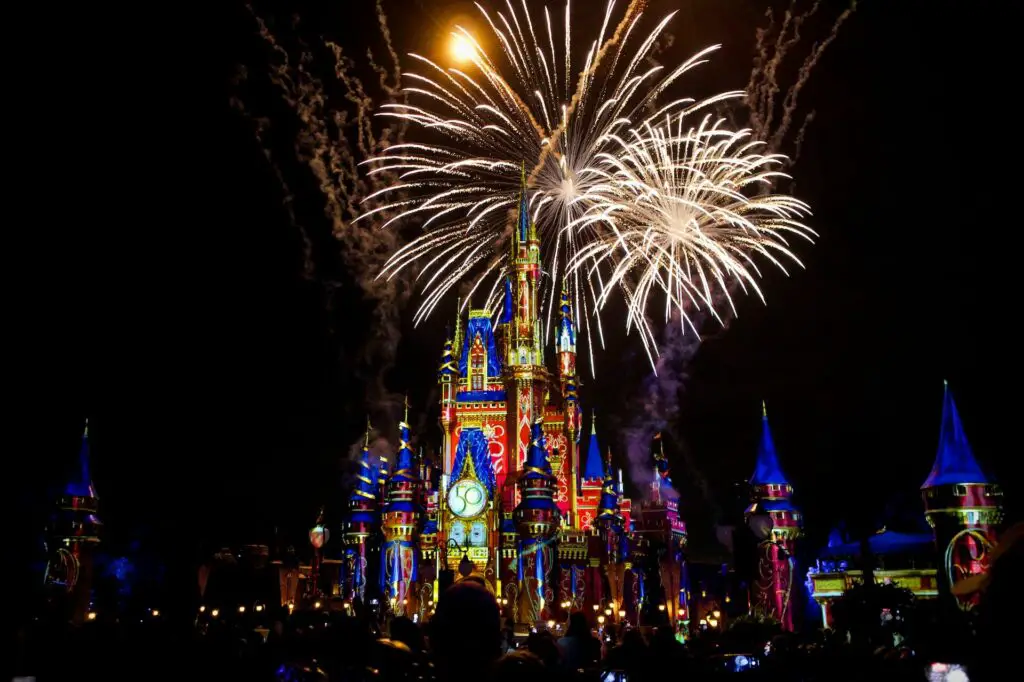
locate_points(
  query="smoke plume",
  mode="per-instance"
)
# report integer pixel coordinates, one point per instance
(314, 128)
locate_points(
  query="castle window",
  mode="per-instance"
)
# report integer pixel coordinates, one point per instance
(477, 364)
(960, 490)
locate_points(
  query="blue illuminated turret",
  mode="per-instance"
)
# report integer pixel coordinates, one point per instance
(954, 462)
(771, 491)
(363, 500)
(767, 471)
(608, 507)
(80, 484)
(593, 469)
(538, 479)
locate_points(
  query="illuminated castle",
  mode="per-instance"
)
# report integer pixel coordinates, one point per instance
(514, 506)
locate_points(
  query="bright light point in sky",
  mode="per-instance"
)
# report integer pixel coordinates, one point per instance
(462, 49)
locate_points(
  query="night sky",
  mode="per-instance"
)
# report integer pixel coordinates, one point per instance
(224, 392)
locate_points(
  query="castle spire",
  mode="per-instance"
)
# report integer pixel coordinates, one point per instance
(767, 471)
(593, 468)
(405, 464)
(566, 340)
(364, 491)
(661, 467)
(608, 507)
(81, 485)
(954, 461)
(523, 226)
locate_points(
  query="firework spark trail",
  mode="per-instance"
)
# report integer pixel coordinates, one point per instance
(764, 87)
(329, 141)
(497, 117)
(660, 392)
(687, 219)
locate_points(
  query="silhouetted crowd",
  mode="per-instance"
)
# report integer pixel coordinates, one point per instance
(467, 641)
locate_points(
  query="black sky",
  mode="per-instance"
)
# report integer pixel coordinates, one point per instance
(222, 393)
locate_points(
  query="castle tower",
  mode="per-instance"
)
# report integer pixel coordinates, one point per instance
(611, 528)
(360, 528)
(962, 505)
(430, 557)
(400, 522)
(565, 345)
(777, 525)
(536, 519)
(446, 376)
(72, 534)
(672, 536)
(527, 376)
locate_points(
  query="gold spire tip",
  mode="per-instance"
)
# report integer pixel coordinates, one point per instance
(945, 384)
(406, 420)
(764, 409)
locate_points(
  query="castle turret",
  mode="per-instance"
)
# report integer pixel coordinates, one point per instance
(612, 532)
(962, 505)
(776, 523)
(592, 477)
(536, 519)
(400, 522)
(72, 534)
(361, 524)
(565, 345)
(527, 376)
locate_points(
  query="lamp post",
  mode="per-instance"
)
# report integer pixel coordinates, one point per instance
(318, 537)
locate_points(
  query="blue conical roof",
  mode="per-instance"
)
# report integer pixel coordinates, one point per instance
(399, 497)
(593, 468)
(767, 471)
(80, 484)
(405, 464)
(954, 462)
(365, 488)
(537, 463)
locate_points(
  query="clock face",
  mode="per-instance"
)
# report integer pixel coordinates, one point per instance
(467, 498)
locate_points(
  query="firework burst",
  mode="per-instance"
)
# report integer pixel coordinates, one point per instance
(535, 104)
(686, 213)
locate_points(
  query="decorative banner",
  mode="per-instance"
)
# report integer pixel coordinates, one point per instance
(967, 554)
